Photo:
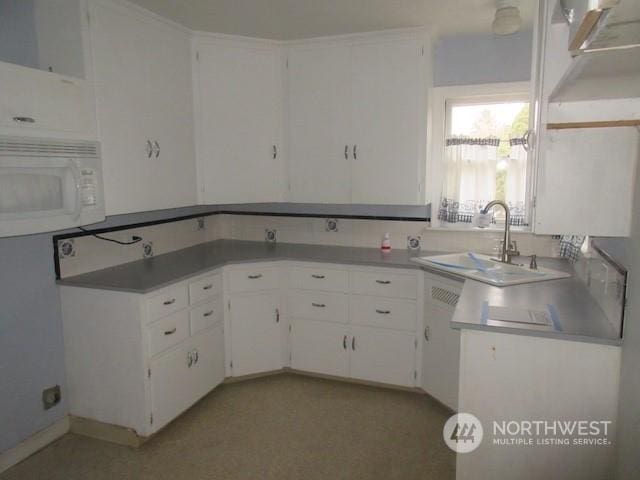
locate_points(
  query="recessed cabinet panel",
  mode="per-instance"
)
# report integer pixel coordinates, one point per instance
(256, 334)
(320, 347)
(385, 356)
(239, 105)
(389, 131)
(208, 367)
(320, 143)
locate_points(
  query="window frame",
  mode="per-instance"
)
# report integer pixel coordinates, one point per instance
(441, 100)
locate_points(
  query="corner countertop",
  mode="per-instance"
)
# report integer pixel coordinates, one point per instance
(145, 276)
(578, 317)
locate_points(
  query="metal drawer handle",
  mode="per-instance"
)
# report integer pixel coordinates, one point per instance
(353, 343)
(319, 277)
(24, 119)
(426, 333)
(383, 312)
(170, 332)
(196, 356)
(355, 152)
(157, 145)
(383, 282)
(207, 314)
(149, 148)
(255, 277)
(277, 315)
(344, 342)
(208, 287)
(275, 152)
(346, 152)
(319, 305)
(189, 359)
(169, 302)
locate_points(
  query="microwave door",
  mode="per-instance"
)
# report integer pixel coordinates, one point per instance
(32, 189)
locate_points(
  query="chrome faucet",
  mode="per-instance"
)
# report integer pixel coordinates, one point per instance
(509, 249)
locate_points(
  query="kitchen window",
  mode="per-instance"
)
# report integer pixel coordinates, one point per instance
(482, 156)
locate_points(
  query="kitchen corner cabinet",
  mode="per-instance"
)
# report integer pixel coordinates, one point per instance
(440, 343)
(138, 361)
(144, 108)
(238, 107)
(357, 119)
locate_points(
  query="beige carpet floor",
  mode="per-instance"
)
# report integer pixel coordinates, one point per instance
(281, 427)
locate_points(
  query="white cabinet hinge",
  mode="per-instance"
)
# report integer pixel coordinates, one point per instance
(197, 55)
(415, 343)
(423, 50)
(415, 374)
(148, 373)
(230, 364)
(229, 305)
(289, 328)
(151, 419)
(286, 63)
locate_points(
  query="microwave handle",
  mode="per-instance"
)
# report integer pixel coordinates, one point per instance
(77, 210)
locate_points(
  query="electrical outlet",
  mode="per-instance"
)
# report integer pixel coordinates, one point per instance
(414, 243)
(51, 397)
(270, 235)
(147, 249)
(66, 248)
(331, 225)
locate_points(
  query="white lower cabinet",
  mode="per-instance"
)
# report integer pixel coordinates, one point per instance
(320, 347)
(385, 356)
(256, 334)
(440, 343)
(208, 369)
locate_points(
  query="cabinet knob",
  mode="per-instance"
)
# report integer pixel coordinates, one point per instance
(318, 305)
(383, 282)
(170, 332)
(169, 302)
(355, 152)
(344, 342)
(353, 343)
(426, 333)
(195, 355)
(275, 152)
(383, 312)
(277, 315)
(346, 152)
(319, 277)
(208, 287)
(207, 314)
(149, 149)
(189, 359)
(254, 277)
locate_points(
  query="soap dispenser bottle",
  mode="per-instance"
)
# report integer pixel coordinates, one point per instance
(386, 243)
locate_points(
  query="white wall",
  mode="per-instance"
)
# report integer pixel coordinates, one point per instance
(486, 58)
(629, 407)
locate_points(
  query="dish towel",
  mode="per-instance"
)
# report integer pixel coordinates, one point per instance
(570, 246)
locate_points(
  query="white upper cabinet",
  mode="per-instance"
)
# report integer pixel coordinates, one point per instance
(47, 82)
(357, 119)
(320, 141)
(238, 104)
(145, 109)
(388, 122)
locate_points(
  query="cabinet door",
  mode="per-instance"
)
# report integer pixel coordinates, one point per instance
(381, 355)
(389, 127)
(143, 95)
(582, 187)
(319, 124)
(208, 370)
(171, 385)
(256, 334)
(440, 355)
(321, 347)
(239, 118)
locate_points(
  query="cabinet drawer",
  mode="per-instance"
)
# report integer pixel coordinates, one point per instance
(253, 280)
(383, 312)
(167, 332)
(206, 315)
(204, 288)
(319, 306)
(327, 279)
(386, 284)
(169, 301)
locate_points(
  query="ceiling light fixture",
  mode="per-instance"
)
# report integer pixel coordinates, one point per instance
(507, 20)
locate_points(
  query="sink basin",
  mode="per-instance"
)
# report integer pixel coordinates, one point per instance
(484, 269)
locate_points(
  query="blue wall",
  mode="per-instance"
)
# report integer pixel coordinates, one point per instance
(486, 58)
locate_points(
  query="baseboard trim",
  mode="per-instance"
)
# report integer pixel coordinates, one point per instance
(105, 431)
(31, 445)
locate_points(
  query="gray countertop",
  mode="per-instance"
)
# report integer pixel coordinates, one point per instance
(578, 316)
(144, 276)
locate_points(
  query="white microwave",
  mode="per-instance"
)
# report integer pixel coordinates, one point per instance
(48, 185)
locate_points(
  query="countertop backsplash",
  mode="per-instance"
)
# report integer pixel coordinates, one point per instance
(90, 253)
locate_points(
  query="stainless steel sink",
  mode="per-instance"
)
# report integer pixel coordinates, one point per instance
(484, 269)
